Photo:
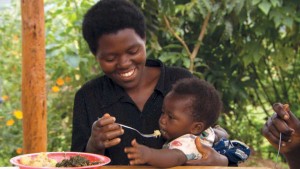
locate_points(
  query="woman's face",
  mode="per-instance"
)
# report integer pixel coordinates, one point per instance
(176, 119)
(122, 57)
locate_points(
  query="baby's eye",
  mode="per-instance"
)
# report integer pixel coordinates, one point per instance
(170, 116)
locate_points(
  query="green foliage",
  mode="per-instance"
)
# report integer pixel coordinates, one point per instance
(68, 65)
(10, 82)
(250, 52)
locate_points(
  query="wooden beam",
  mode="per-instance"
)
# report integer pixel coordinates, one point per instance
(34, 105)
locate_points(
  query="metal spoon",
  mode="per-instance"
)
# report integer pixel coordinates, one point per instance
(142, 134)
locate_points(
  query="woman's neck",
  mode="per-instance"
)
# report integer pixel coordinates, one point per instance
(143, 91)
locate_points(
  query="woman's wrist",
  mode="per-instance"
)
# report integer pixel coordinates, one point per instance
(293, 159)
(92, 149)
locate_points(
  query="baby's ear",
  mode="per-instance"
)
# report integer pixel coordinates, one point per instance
(197, 128)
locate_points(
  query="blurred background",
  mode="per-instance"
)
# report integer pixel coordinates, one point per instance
(249, 50)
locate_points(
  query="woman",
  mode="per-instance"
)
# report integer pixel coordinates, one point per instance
(132, 90)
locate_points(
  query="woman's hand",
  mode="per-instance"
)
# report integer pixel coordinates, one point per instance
(105, 134)
(285, 122)
(209, 156)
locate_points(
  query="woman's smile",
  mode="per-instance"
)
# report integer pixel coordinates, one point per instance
(127, 74)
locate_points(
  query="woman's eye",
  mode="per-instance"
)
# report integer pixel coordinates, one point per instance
(133, 51)
(109, 58)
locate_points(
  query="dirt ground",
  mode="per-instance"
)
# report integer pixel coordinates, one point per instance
(259, 162)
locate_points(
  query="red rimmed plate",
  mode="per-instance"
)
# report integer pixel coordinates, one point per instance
(59, 156)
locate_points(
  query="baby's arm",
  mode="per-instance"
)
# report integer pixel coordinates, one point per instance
(164, 158)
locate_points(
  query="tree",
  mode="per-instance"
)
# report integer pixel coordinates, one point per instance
(249, 50)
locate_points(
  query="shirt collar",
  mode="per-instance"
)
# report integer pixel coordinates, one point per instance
(113, 92)
(160, 86)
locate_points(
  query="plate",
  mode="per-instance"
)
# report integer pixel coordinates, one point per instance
(59, 156)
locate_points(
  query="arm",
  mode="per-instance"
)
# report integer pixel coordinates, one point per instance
(210, 157)
(220, 133)
(285, 122)
(81, 128)
(163, 158)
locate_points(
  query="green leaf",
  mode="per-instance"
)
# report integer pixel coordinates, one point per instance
(173, 46)
(288, 22)
(265, 7)
(72, 60)
(239, 6)
(283, 56)
(276, 3)
(228, 29)
(247, 59)
(255, 2)
(207, 4)
(186, 62)
(277, 17)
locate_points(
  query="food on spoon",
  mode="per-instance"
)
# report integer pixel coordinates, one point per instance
(157, 133)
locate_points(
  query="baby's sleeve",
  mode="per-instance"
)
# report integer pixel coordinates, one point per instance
(186, 144)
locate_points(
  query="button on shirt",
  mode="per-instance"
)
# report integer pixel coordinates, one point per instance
(102, 95)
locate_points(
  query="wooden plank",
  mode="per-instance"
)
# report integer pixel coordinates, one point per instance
(33, 77)
(179, 167)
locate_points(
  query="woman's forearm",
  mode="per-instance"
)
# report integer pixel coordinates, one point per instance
(91, 149)
(293, 159)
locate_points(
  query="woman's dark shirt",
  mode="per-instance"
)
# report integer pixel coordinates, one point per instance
(102, 95)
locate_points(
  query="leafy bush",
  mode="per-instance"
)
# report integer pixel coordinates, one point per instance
(249, 52)
(10, 83)
(65, 68)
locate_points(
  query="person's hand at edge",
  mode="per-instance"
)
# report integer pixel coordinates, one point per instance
(210, 157)
(285, 122)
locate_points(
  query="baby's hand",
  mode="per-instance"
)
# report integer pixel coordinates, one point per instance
(138, 154)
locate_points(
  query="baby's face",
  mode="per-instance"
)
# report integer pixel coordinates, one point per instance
(176, 119)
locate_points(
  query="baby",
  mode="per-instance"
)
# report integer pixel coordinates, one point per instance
(189, 109)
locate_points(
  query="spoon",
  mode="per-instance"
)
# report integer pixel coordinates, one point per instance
(155, 134)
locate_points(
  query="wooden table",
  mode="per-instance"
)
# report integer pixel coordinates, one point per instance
(149, 167)
(179, 167)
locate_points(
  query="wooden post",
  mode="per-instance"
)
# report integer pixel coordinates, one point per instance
(34, 105)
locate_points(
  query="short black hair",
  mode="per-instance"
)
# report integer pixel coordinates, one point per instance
(206, 103)
(110, 16)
